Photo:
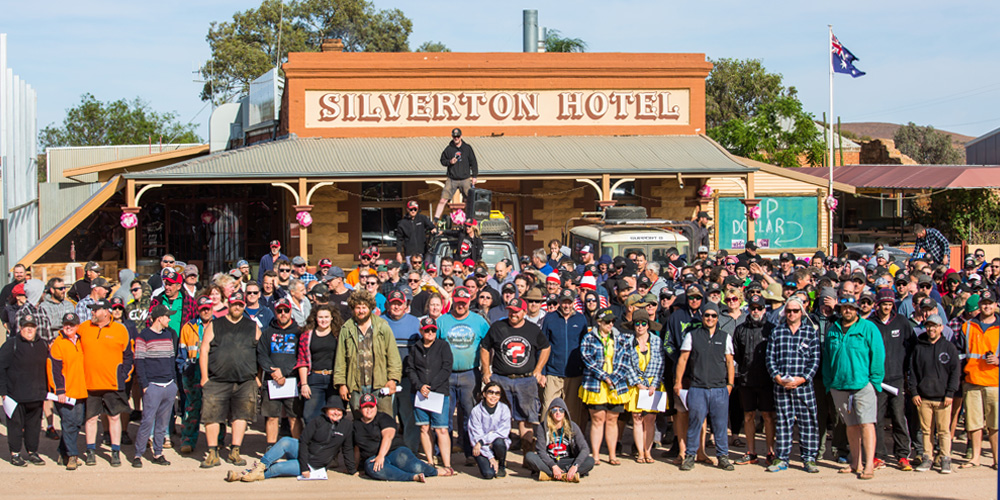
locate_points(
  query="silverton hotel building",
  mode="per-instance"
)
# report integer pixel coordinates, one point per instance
(359, 134)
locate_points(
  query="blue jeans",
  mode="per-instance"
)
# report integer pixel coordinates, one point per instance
(70, 420)
(714, 404)
(463, 395)
(400, 465)
(321, 387)
(286, 448)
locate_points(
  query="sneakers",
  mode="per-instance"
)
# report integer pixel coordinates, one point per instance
(904, 464)
(17, 461)
(51, 433)
(116, 460)
(777, 466)
(879, 464)
(90, 458)
(34, 459)
(747, 459)
(211, 460)
(725, 464)
(72, 463)
(811, 467)
(502, 471)
(946, 465)
(160, 460)
(256, 473)
(925, 464)
(137, 463)
(688, 463)
(235, 458)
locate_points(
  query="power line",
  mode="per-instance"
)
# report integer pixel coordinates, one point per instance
(993, 87)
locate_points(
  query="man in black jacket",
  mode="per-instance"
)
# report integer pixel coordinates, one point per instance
(463, 169)
(276, 357)
(898, 337)
(933, 375)
(411, 233)
(756, 389)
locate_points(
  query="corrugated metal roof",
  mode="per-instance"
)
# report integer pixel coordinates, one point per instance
(418, 156)
(59, 159)
(912, 176)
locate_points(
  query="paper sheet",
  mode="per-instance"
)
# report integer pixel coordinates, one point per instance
(8, 406)
(52, 397)
(657, 402)
(890, 389)
(314, 475)
(289, 390)
(434, 402)
(684, 398)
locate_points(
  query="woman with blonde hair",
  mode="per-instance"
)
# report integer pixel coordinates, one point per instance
(561, 452)
(646, 360)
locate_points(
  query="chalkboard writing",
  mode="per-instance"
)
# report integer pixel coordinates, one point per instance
(785, 222)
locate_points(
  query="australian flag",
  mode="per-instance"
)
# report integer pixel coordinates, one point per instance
(843, 59)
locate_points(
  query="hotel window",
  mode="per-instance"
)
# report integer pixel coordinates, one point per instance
(381, 209)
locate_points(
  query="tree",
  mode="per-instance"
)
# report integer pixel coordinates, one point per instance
(96, 123)
(779, 132)
(962, 214)
(432, 47)
(736, 88)
(927, 146)
(555, 42)
(248, 46)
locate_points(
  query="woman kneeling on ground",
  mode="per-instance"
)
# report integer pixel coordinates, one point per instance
(323, 439)
(561, 452)
(489, 428)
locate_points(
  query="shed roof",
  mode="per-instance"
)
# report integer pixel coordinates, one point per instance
(418, 156)
(911, 176)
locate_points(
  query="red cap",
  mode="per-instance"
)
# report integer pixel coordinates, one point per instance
(204, 302)
(412, 204)
(18, 289)
(462, 294)
(517, 305)
(469, 263)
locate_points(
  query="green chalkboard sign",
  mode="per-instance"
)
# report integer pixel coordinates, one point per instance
(786, 222)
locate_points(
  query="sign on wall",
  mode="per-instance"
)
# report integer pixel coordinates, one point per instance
(786, 222)
(353, 109)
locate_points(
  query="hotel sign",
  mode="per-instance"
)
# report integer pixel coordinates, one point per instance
(498, 108)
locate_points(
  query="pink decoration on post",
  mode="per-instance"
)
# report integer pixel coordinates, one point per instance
(753, 213)
(831, 203)
(129, 220)
(304, 218)
(705, 191)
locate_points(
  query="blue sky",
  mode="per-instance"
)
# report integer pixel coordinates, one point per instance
(929, 62)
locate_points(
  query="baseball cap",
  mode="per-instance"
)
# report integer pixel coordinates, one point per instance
(28, 319)
(882, 254)
(239, 264)
(325, 263)
(517, 305)
(427, 323)
(103, 283)
(298, 260)
(567, 295)
(93, 266)
(552, 299)
(482, 271)
(235, 273)
(117, 302)
(693, 291)
(933, 319)
(757, 300)
(702, 249)
(283, 303)
(456, 132)
(431, 268)
(787, 256)
(462, 294)
(18, 289)
(713, 288)
(204, 302)
(191, 270)
(928, 303)
(470, 222)
(237, 297)
(643, 281)
(584, 249)
(468, 263)
(160, 310)
(335, 272)
(319, 290)
(170, 276)
(750, 245)
(70, 318)
(633, 300)
(666, 293)
(705, 215)
(100, 304)
(606, 315)
(367, 400)
(412, 204)
(987, 296)
(275, 243)
(508, 288)
(396, 296)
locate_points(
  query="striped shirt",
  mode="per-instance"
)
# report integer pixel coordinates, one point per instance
(793, 354)
(154, 357)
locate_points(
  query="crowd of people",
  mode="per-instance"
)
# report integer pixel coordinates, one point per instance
(393, 368)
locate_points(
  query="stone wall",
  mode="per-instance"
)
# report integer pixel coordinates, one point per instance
(325, 237)
(882, 152)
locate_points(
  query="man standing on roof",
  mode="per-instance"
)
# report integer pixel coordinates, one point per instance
(463, 169)
(932, 241)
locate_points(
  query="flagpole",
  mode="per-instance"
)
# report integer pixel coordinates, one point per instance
(829, 62)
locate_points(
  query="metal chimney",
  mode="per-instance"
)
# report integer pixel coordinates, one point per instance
(530, 30)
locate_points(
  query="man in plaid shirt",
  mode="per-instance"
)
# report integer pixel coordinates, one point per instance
(793, 352)
(933, 242)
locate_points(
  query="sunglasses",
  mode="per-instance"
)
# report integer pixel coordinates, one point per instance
(709, 315)
(848, 300)
(417, 262)
(536, 301)
(557, 410)
(591, 300)
(694, 298)
(253, 293)
(793, 311)
(865, 302)
(414, 281)
(431, 329)
(448, 285)
(283, 310)
(167, 261)
(925, 285)
(756, 308)
(733, 299)
(411, 209)
(133, 290)
(372, 282)
(300, 265)
(641, 323)
(284, 270)
(493, 393)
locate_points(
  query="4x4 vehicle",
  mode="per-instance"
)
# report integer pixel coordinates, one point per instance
(620, 230)
(498, 242)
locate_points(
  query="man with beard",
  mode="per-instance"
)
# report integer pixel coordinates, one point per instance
(756, 387)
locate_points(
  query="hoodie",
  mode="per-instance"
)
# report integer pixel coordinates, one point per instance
(750, 345)
(465, 167)
(278, 348)
(898, 339)
(551, 449)
(22, 369)
(125, 278)
(934, 370)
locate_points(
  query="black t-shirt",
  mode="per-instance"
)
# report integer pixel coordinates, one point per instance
(340, 302)
(323, 350)
(368, 437)
(514, 350)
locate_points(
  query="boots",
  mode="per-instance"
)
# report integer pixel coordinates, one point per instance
(234, 456)
(542, 476)
(212, 460)
(254, 474)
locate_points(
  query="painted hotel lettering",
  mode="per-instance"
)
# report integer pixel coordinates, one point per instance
(498, 107)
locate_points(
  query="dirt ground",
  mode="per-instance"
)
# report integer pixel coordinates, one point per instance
(183, 478)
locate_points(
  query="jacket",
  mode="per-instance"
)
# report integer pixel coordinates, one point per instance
(322, 441)
(853, 359)
(65, 368)
(934, 370)
(411, 234)
(545, 446)
(652, 376)
(278, 349)
(429, 365)
(565, 336)
(22, 369)
(188, 347)
(107, 356)
(750, 348)
(980, 339)
(898, 339)
(592, 351)
(484, 428)
(388, 365)
(465, 167)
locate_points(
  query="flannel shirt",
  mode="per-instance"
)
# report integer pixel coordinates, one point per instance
(935, 243)
(793, 354)
(83, 308)
(189, 308)
(652, 376)
(592, 352)
(43, 326)
(306, 277)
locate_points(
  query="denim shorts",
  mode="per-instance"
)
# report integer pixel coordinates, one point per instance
(522, 393)
(435, 420)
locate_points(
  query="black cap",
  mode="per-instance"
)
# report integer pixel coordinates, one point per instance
(643, 281)
(508, 288)
(757, 300)
(987, 296)
(705, 215)
(100, 304)
(427, 322)
(620, 261)
(27, 319)
(666, 293)
(334, 401)
(606, 315)
(367, 400)
(456, 132)
(70, 318)
(567, 295)
(160, 310)
(117, 302)
(750, 245)
(482, 271)
(713, 288)
(787, 256)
